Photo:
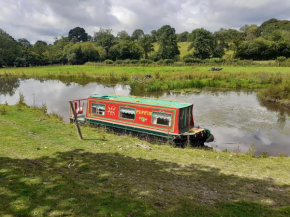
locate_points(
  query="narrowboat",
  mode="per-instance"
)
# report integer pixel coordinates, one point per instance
(168, 120)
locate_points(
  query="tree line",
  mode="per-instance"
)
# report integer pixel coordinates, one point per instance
(270, 40)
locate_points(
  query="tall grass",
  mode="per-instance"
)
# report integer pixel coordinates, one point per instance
(277, 93)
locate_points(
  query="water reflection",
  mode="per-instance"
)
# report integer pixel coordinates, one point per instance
(8, 85)
(236, 118)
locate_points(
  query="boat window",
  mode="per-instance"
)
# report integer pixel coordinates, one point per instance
(98, 109)
(184, 117)
(161, 118)
(127, 113)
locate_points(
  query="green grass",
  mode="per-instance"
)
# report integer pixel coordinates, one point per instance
(277, 93)
(83, 70)
(46, 171)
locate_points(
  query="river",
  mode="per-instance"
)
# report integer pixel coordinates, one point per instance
(238, 119)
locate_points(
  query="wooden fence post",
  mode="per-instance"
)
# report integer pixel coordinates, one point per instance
(76, 120)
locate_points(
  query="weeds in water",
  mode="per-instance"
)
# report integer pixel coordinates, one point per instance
(251, 151)
(21, 100)
(43, 108)
(124, 77)
(282, 155)
(264, 155)
(57, 116)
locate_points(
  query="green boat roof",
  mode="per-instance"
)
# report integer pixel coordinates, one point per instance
(144, 100)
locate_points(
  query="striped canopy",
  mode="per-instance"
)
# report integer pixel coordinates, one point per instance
(127, 111)
(162, 115)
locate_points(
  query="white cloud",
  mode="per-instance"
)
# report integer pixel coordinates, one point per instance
(44, 19)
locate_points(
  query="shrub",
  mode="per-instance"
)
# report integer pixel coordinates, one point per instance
(109, 62)
(192, 60)
(134, 61)
(21, 100)
(157, 74)
(43, 108)
(160, 62)
(144, 61)
(91, 64)
(187, 56)
(127, 61)
(251, 151)
(118, 62)
(124, 77)
(217, 60)
(168, 61)
(3, 110)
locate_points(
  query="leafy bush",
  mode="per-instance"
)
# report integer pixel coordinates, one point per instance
(134, 61)
(127, 61)
(160, 62)
(187, 56)
(192, 60)
(168, 61)
(3, 110)
(91, 64)
(118, 62)
(144, 61)
(109, 62)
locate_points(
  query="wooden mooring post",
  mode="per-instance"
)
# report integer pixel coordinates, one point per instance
(76, 120)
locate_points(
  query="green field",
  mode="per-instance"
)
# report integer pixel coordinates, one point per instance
(132, 70)
(46, 171)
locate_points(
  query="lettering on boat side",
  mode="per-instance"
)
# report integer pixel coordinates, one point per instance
(144, 112)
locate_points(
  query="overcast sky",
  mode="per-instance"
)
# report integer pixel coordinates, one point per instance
(45, 19)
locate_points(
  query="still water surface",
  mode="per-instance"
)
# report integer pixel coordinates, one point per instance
(237, 119)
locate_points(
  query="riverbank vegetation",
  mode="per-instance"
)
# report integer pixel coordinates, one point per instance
(273, 81)
(46, 171)
(269, 41)
(277, 93)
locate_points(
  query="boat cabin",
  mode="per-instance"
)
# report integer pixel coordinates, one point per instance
(151, 116)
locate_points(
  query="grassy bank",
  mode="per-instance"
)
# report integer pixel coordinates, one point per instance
(170, 77)
(46, 171)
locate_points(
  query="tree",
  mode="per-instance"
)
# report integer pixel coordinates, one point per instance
(123, 35)
(258, 49)
(137, 34)
(105, 38)
(183, 37)
(24, 43)
(284, 47)
(56, 54)
(146, 43)
(249, 32)
(203, 43)
(154, 35)
(235, 38)
(8, 49)
(126, 50)
(167, 39)
(78, 34)
(81, 53)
